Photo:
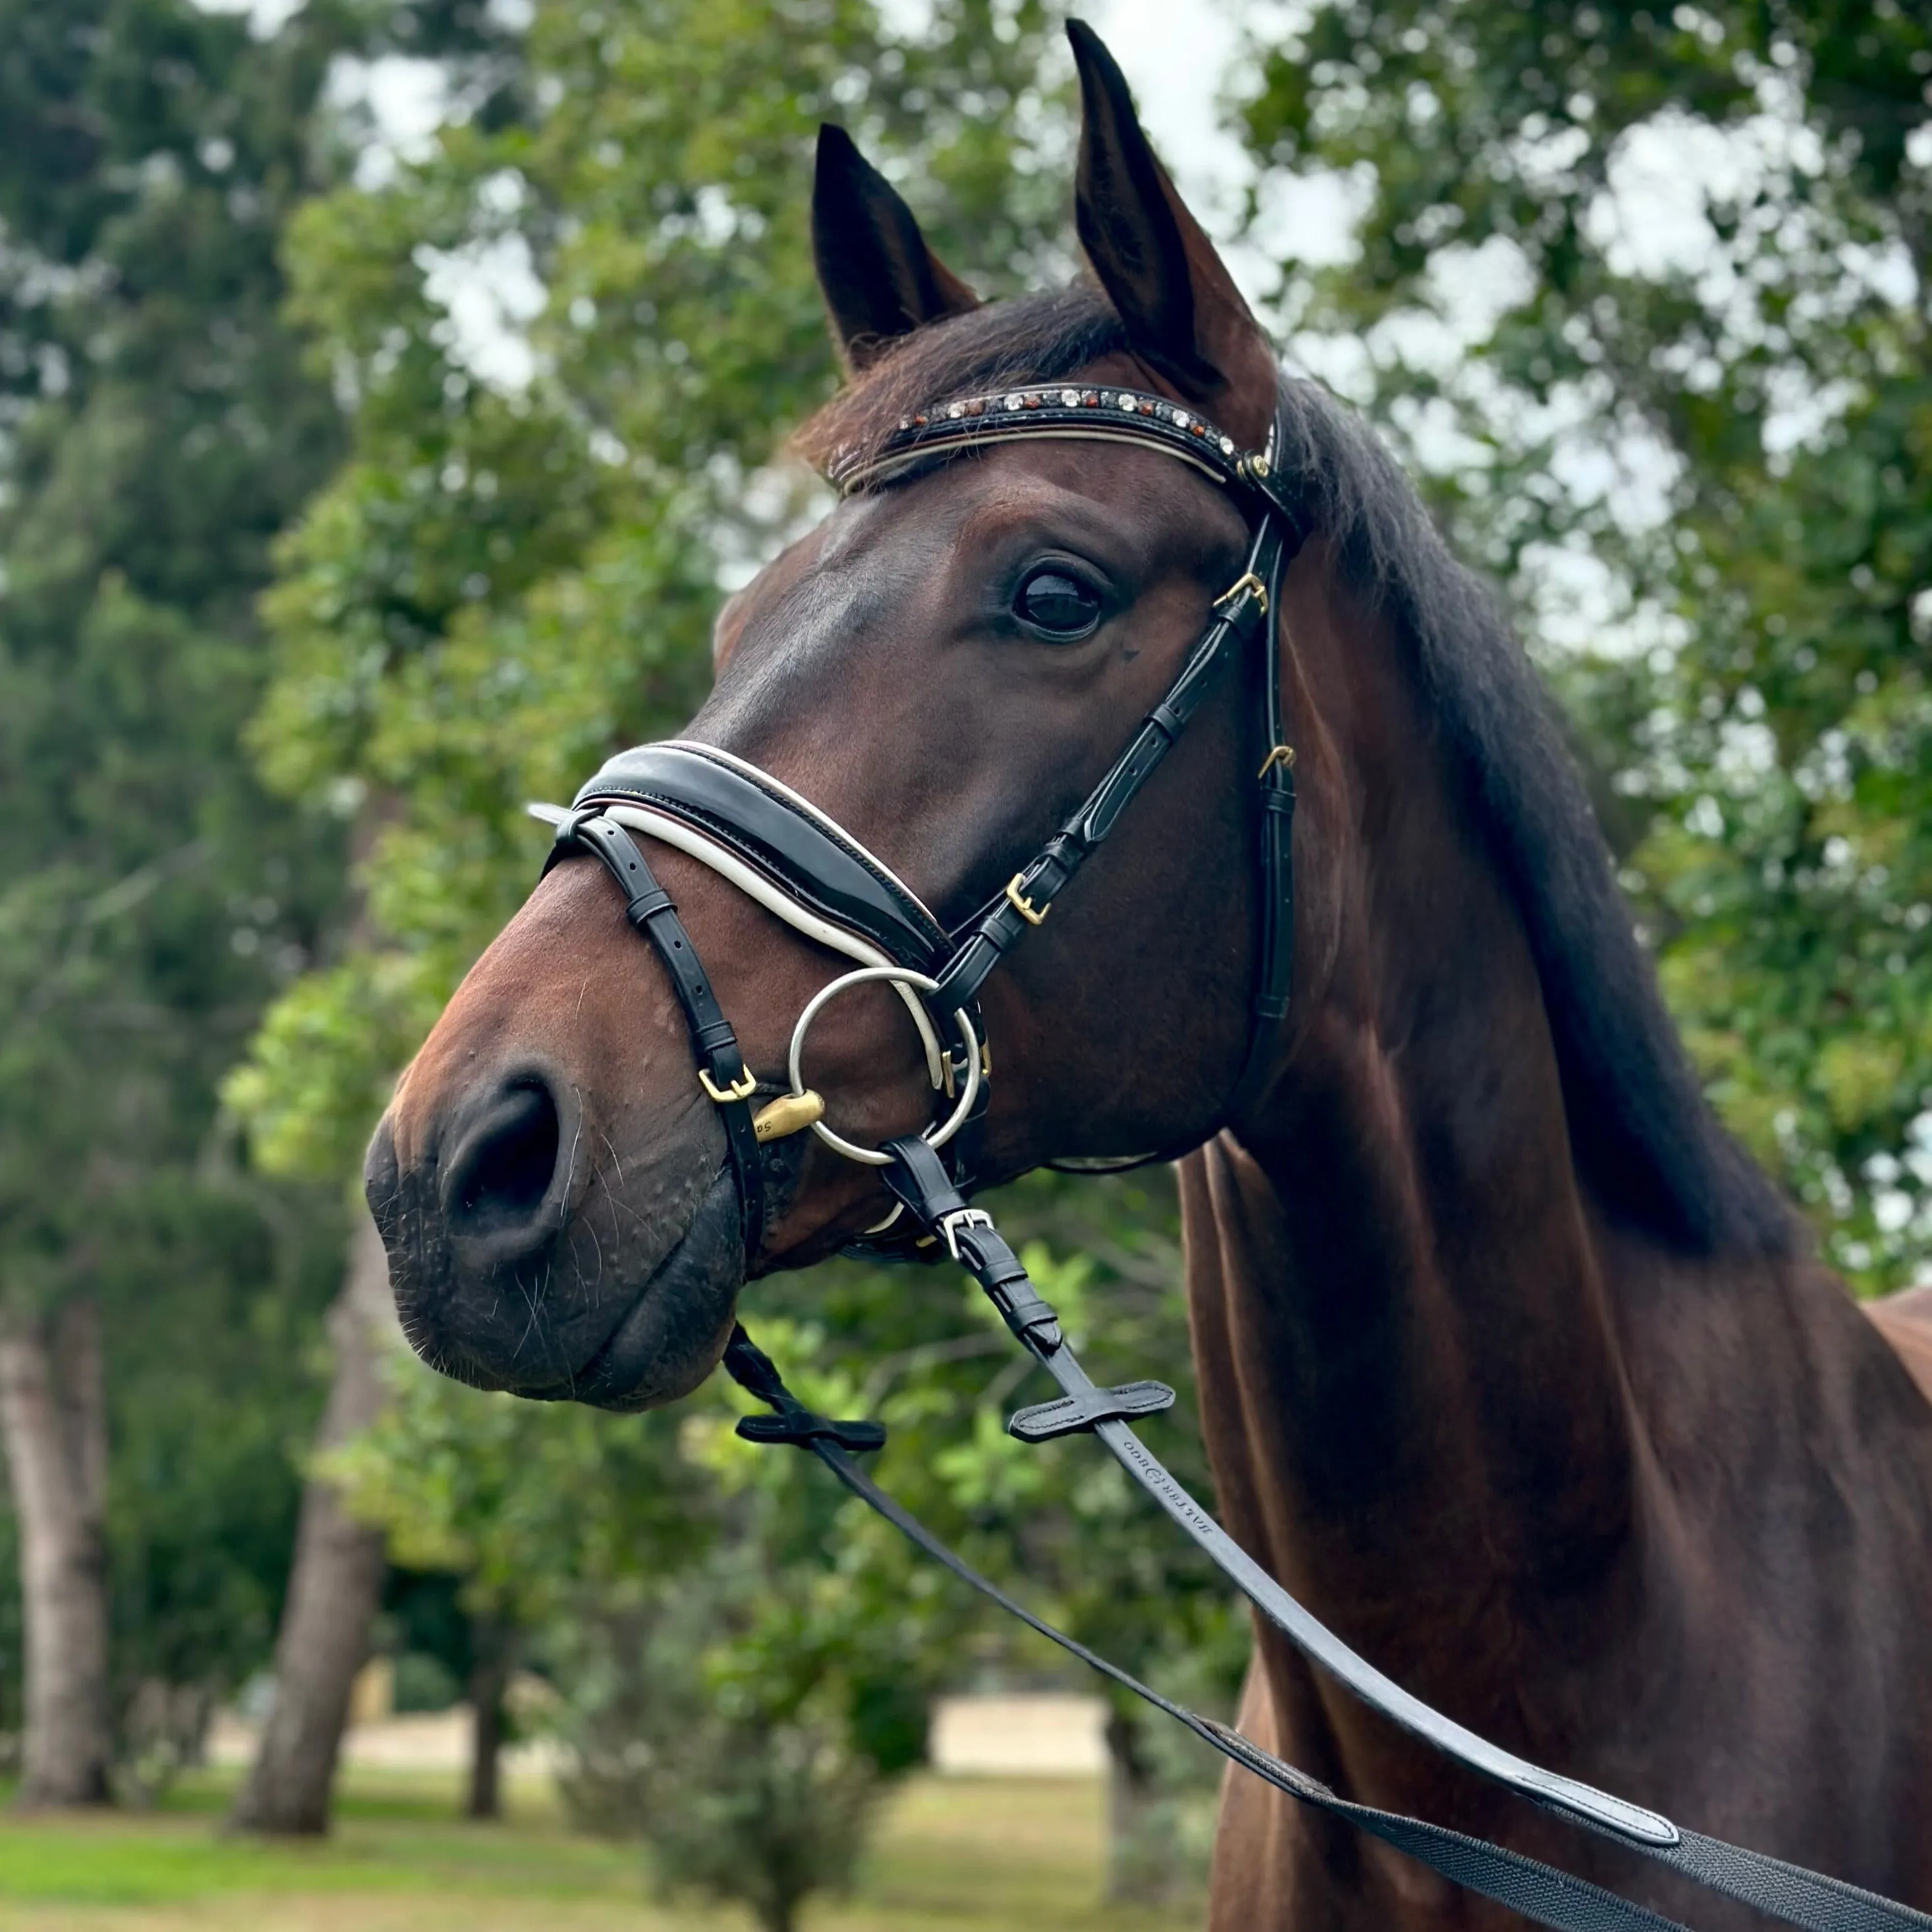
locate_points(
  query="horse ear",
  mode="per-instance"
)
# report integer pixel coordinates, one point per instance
(880, 279)
(1184, 316)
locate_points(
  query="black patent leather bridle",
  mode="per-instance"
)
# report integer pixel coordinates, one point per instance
(809, 872)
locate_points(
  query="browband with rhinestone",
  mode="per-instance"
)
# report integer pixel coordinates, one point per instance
(1073, 413)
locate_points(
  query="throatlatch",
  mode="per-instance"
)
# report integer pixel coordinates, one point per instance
(808, 871)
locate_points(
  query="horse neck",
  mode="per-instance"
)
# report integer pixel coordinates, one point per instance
(1413, 1376)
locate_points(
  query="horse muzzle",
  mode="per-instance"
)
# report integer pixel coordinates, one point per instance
(518, 1263)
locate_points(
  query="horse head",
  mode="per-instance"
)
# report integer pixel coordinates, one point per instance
(944, 666)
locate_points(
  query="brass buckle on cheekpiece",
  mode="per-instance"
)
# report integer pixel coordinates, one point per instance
(1247, 581)
(1034, 915)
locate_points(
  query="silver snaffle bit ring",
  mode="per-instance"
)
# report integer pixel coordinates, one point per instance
(936, 1136)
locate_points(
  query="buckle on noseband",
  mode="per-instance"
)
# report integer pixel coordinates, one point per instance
(1034, 915)
(740, 1089)
(1281, 755)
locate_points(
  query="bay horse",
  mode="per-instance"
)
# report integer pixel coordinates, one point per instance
(1510, 1364)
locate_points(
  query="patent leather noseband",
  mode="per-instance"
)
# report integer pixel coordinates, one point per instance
(808, 871)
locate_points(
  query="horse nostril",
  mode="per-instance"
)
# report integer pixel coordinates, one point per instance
(503, 1171)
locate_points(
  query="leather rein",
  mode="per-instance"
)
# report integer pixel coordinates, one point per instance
(812, 874)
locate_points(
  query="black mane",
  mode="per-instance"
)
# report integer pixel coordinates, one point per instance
(1638, 1119)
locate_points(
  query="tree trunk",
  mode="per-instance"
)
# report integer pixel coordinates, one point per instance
(337, 1580)
(53, 1414)
(489, 1679)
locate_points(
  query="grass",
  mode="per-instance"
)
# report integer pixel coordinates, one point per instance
(956, 1854)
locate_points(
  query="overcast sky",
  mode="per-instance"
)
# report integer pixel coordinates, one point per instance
(1177, 55)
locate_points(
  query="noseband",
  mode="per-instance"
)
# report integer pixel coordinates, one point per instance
(808, 871)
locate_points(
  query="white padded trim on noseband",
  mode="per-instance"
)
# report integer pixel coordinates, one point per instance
(746, 768)
(754, 885)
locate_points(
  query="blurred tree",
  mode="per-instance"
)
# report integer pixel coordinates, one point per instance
(725, 1744)
(725, 1674)
(540, 1514)
(335, 1575)
(155, 430)
(445, 1653)
(1645, 289)
(689, 1591)
(214, 1313)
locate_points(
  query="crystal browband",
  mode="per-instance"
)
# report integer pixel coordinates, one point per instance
(1075, 411)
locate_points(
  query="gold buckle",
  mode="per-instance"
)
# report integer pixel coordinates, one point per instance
(952, 1071)
(1024, 906)
(787, 1114)
(1281, 755)
(741, 1089)
(1247, 581)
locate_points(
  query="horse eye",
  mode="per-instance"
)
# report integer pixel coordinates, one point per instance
(1058, 605)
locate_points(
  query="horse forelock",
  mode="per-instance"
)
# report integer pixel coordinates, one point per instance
(1027, 339)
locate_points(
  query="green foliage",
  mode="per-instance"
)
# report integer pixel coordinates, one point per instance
(691, 1594)
(532, 1505)
(734, 1691)
(204, 1480)
(424, 1682)
(1645, 289)
(324, 1058)
(156, 430)
(926, 1354)
(720, 1734)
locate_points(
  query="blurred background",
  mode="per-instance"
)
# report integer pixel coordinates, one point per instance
(388, 392)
